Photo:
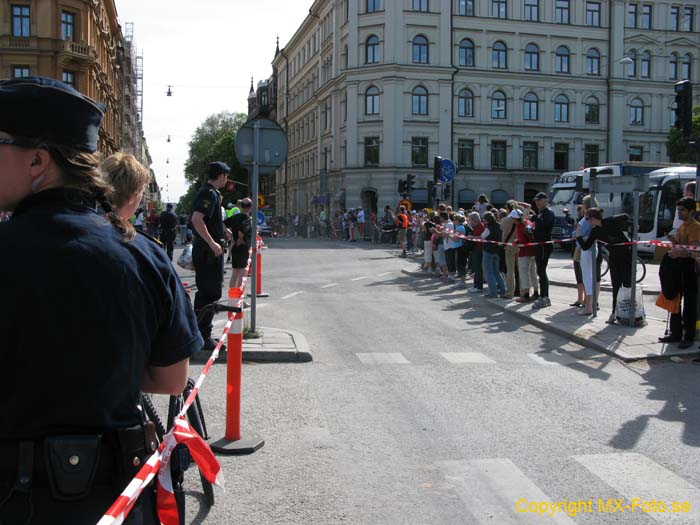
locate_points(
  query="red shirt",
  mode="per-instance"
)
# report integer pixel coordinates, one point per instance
(525, 251)
(478, 230)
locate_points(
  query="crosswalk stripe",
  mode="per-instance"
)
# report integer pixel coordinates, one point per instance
(636, 476)
(552, 358)
(291, 295)
(384, 274)
(379, 358)
(491, 488)
(466, 357)
(329, 285)
(359, 278)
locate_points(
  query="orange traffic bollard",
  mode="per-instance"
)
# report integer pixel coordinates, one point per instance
(258, 272)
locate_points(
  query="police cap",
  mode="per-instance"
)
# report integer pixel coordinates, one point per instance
(217, 168)
(51, 112)
(540, 195)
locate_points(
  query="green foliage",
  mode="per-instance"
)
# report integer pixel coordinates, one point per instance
(214, 140)
(678, 149)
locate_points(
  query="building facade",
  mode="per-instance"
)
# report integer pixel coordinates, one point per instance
(514, 91)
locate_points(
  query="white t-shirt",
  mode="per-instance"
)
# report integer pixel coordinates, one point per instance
(360, 216)
(139, 219)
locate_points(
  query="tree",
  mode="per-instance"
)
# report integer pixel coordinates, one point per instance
(678, 149)
(214, 140)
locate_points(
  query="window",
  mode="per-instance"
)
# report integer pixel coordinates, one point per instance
(420, 101)
(466, 53)
(562, 64)
(646, 65)
(530, 107)
(636, 112)
(532, 57)
(530, 155)
(420, 50)
(561, 109)
(561, 12)
(561, 157)
(345, 57)
(465, 154)
(68, 77)
(20, 71)
(632, 66)
(372, 50)
(673, 66)
(67, 23)
(592, 111)
(498, 105)
(593, 62)
(372, 6)
(371, 151)
(636, 153)
(466, 8)
(499, 9)
(498, 154)
(420, 5)
(20, 20)
(590, 155)
(632, 15)
(675, 18)
(688, 15)
(593, 14)
(645, 22)
(499, 56)
(532, 10)
(685, 67)
(372, 101)
(419, 151)
(465, 103)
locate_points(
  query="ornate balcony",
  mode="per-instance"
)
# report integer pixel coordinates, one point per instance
(77, 51)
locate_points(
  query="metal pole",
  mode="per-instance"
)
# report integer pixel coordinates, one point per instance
(635, 235)
(591, 183)
(254, 220)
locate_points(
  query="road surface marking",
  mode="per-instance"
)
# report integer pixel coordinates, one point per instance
(466, 357)
(291, 295)
(384, 274)
(359, 278)
(636, 476)
(383, 359)
(329, 285)
(490, 489)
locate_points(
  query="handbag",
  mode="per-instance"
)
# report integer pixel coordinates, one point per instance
(671, 305)
(623, 308)
(185, 259)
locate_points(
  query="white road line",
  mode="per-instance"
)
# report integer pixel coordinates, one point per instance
(379, 358)
(359, 278)
(466, 357)
(490, 489)
(329, 285)
(291, 295)
(636, 476)
(384, 274)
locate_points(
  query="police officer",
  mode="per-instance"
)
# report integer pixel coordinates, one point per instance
(91, 314)
(208, 248)
(168, 229)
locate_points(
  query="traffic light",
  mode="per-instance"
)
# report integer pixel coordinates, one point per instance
(684, 107)
(446, 192)
(436, 169)
(410, 182)
(402, 187)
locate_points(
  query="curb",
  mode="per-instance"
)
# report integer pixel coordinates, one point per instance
(300, 354)
(603, 288)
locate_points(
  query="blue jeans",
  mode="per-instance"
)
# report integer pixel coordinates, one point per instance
(493, 275)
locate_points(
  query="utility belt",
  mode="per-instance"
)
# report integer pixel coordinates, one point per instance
(201, 249)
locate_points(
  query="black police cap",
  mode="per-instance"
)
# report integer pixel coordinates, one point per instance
(51, 112)
(540, 195)
(217, 168)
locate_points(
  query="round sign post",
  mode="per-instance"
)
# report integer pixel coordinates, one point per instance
(447, 173)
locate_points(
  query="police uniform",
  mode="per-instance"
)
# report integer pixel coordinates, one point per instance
(83, 314)
(209, 269)
(168, 231)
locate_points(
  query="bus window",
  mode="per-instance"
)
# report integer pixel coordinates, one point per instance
(670, 193)
(647, 210)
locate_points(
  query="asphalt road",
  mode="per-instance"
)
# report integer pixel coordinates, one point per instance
(424, 406)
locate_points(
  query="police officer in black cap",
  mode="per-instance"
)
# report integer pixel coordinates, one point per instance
(91, 315)
(208, 248)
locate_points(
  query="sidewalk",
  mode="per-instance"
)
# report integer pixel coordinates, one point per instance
(623, 342)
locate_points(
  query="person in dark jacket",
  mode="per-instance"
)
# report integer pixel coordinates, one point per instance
(168, 229)
(497, 286)
(544, 222)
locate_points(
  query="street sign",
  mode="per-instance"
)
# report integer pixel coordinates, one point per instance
(448, 170)
(406, 204)
(261, 218)
(273, 145)
(261, 200)
(624, 184)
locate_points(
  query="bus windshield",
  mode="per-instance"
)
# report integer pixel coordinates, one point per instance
(647, 210)
(563, 196)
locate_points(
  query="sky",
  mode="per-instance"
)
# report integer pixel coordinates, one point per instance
(207, 51)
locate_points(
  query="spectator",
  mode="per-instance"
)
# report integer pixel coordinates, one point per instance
(544, 222)
(360, 223)
(526, 257)
(492, 232)
(241, 228)
(482, 204)
(140, 220)
(461, 229)
(402, 225)
(168, 229)
(450, 245)
(589, 254)
(509, 231)
(477, 252)
(429, 228)
(580, 299)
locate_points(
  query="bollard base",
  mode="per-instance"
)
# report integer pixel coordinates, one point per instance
(241, 447)
(259, 295)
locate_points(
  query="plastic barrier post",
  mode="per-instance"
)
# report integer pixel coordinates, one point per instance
(258, 270)
(233, 443)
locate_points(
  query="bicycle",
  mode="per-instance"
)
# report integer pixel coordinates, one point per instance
(605, 266)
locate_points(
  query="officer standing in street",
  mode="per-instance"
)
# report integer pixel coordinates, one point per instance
(208, 248)
(109, 315)
(168, 229)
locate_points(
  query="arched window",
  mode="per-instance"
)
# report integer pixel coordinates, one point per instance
(686, 66)
(372, 101)
(465, 103)
(645, 64)
(530, 107)
(532, 57)
(466, 53)
(592, 111)
(637, 112)
(593, 62)
(561, 109)
(498, 105)
(420, 50)
(673, 67)
(419, 101)
(562, 63)
(632, 66)
(499, 56)
(372, 50)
